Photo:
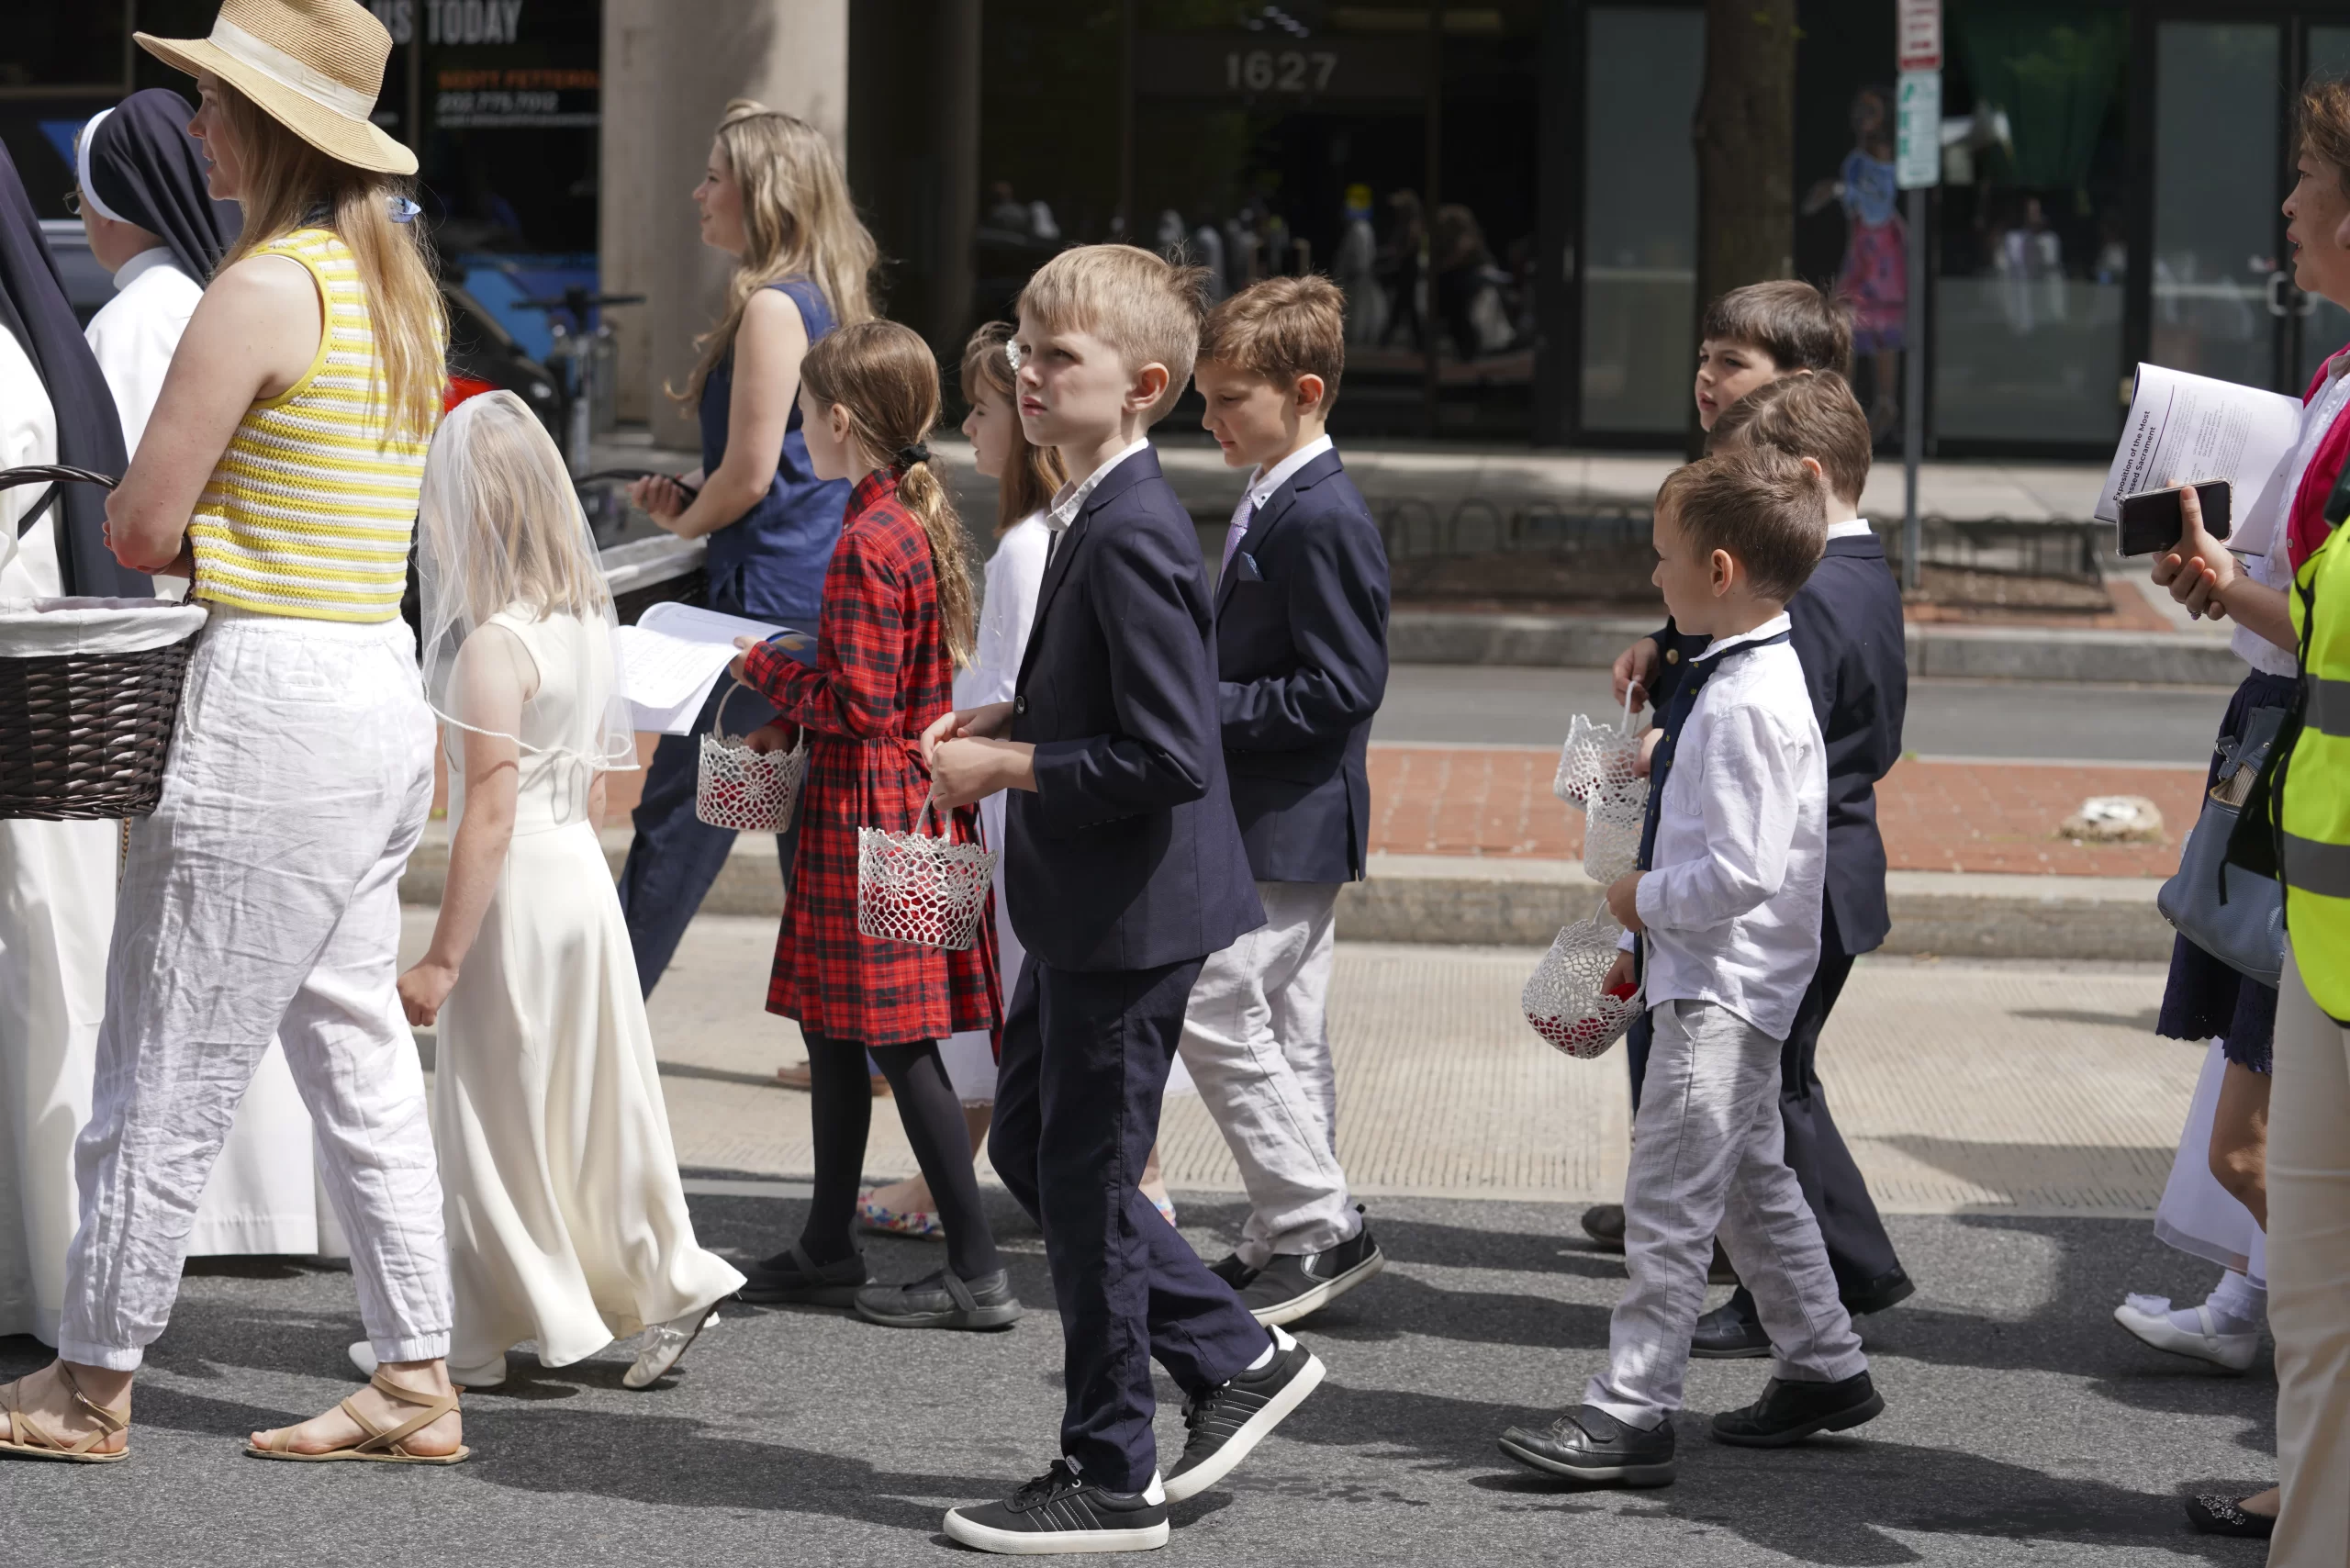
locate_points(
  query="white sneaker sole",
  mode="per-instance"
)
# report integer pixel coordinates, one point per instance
(1322, 1295)
(1028, 1543)
(2233, 1351)
(1255, 1430)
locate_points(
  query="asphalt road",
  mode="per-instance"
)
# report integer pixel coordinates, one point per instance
(2021, 1424)
(1515, 705)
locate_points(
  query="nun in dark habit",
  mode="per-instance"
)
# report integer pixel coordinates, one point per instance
(56, 879)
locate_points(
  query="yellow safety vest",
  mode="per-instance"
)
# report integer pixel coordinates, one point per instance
(2314, 815)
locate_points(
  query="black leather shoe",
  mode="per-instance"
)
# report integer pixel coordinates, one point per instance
(1789, 1412)
(942, 1300)
(1590, 1445)
(1604, 1223)
(2215, 1515)
(1730, 1332)
(789, 1278)
(1232, 1271)
(1888, 1289)
(1292, 1286)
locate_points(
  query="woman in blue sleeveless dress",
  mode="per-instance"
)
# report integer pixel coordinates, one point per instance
(773, 196)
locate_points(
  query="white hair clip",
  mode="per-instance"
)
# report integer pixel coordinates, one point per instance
(1011, 353)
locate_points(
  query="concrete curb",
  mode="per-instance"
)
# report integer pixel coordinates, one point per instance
(1464, 902)
(1979, 653)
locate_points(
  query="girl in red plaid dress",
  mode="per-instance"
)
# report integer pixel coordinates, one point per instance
(898, 617)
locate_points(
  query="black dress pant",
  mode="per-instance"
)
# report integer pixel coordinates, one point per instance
(1085, 1060)
(1858, 1249)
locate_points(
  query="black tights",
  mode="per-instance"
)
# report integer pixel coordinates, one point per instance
(842, 1095)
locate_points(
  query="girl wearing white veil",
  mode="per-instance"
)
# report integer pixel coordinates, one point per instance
(566, 1220)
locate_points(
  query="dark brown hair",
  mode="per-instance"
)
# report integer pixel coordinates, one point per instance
(1798, 325)
(882, 375)
(1813, 416)
(1035, 471)
(1280, 329)
(2325, 124)
(1759, 505)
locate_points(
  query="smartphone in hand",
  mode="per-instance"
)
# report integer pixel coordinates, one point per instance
(2152, 521)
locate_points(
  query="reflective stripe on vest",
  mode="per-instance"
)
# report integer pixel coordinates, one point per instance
(2329, 706)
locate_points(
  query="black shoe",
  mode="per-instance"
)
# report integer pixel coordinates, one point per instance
(1224, 1424)
(1232, 1271)
(1729, 1333)
(790, 1277)
(1297, 1285)
(1059, 1512)
(1720, 1272)
(1888, 1289)
(1604, 1223)
(2215, 1515)
(1789, 1412)
(1588, 1444)
(941, 1301)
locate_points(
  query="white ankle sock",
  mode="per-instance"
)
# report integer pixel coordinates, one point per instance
(2238, 1305)
(1261, 1362)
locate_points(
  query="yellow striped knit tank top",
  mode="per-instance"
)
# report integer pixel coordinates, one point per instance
(312, 508)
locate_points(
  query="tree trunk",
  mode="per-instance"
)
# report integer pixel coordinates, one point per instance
(1745, 133)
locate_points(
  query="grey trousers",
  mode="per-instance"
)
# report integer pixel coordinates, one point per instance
(1708, 1156)
(1257, 1046)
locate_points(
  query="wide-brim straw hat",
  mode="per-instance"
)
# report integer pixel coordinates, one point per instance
(314, 66)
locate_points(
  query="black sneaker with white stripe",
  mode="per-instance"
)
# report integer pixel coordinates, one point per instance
(1224, 1424)
(1059, 1513)
(1291, 1286)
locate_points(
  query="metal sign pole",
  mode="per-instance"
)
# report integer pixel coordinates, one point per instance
(1918, 26)
(1913, 392)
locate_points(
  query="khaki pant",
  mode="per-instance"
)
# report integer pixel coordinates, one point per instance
(2309, 1278)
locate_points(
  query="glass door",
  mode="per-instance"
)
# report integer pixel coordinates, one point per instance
(2221, 297)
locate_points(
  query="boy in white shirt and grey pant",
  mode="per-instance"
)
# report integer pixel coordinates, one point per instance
(1728, 908)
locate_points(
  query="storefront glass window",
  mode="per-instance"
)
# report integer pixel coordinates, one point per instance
(2216, 278)
(2033, 259)
(1639, 274)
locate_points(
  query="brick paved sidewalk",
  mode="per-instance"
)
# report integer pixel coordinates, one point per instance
(1937, 816)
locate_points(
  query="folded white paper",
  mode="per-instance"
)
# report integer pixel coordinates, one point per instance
(2184, 430)
(676, 653)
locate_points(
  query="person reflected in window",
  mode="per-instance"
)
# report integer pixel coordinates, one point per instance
(1874, 275)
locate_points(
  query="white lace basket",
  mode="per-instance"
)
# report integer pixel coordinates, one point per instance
(918, 888)
(1563, 998)
(750, 791)
(1599, 758)
(1613, 817)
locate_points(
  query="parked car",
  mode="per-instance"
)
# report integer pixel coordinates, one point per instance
(483, 357)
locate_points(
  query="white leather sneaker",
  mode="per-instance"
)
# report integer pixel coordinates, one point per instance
(663, 1345)
(2149, 1317)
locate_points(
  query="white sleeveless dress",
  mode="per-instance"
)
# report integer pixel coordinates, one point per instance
(566, 1220)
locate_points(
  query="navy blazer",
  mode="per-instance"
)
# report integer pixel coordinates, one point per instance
(1848, 633)
(1125, 855)
(1301, 642)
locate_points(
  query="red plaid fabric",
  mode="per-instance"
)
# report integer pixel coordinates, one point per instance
(882, 675)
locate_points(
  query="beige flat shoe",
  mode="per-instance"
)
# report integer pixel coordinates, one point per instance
(381, 1446)
(27, 1438)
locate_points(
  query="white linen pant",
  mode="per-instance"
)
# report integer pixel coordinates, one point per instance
(262, 898)
(1256, 1040)
(2309, 1278)
(1708, 1156)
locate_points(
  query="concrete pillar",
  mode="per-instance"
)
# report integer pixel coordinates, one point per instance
(670, 72)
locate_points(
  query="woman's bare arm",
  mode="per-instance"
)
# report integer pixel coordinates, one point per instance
(768, 347)
(253, 335)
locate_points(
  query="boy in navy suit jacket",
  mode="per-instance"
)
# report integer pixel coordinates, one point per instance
(1847, 628)
(1301, 630)
(1124, 870)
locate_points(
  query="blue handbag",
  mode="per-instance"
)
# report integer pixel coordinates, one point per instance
(2235, 914)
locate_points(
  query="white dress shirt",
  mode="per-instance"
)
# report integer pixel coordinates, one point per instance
(1731, 901)
(2273, 567)
(1852, 530)
(137, 331)
(1262, 482)
(1069, 499)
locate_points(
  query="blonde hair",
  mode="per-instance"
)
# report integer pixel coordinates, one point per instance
(1280, 329)
(882, 377)
(1139, 302)
(798, 220)
(516, 489)
(286, 180)
(1035, 471)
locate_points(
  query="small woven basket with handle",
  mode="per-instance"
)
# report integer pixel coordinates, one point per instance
(921, 888)
(1564, 998)
(750, 791)
(89, 692)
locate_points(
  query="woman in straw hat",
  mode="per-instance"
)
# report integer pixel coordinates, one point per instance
(281, 470)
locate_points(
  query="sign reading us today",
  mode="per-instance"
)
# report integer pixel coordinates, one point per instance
(1260, 66)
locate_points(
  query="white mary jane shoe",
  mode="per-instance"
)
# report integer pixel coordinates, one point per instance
(662, 1346)
(362, 1355)
(2148, 1317)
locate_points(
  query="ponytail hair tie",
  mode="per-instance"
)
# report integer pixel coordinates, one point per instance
(907, 456)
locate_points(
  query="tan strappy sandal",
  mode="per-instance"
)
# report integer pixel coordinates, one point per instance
(27, 1438)
(381, 1446)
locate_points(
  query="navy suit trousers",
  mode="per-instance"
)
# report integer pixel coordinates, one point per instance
(1086, 1055)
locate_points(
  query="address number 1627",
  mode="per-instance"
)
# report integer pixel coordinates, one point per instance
(1278, 71)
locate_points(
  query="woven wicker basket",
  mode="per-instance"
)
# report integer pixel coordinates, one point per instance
(85, 722)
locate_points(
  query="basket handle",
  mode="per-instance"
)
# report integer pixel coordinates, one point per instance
(718, 719)
(54, 473)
